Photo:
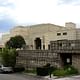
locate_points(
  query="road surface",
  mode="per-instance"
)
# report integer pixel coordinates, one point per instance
(29, 77)
(19, 77)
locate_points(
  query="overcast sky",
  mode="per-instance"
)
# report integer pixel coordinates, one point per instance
(27, 12)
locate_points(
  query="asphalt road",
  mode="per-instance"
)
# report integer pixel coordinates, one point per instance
(28, 77)
(19, 77)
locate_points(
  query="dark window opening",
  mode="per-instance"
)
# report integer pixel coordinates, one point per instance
(43, 46)
(38, 43)
(66, 59)
(48, 47)
(65, 33)
(60, 44)
(58, 34)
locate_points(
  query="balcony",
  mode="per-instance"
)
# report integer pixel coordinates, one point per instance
(65, 46)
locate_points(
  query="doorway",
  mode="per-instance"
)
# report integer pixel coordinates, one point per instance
(37, 43)
(66, 59)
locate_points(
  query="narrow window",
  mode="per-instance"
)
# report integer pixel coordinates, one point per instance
(48, 47)
(65, 33)
(58, 34)
(43, 46)
(60, 44)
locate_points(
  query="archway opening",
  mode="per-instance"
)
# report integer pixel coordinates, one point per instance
(38, 43)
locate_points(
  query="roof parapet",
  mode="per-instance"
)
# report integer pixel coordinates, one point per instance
(70, 25)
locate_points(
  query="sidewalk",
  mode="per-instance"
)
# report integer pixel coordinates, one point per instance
(52, 77)
(77, 77)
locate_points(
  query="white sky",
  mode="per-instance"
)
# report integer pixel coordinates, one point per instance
(45, 11)
(28, 12)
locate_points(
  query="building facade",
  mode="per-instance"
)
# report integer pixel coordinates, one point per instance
(69, 52)
(61, 53)
(48, 43)
(39, 36)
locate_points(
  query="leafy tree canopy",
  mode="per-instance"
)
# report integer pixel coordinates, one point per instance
(15, 42)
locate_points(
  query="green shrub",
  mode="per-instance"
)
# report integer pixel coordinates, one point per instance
(42, 71)
(70, 70)
(18, 69)
(8, 57)
(59, 72)
(45, 70)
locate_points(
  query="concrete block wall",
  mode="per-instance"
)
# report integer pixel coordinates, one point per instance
(76, 61)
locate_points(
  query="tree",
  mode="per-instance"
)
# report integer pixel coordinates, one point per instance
(15, 42)
(8, 57)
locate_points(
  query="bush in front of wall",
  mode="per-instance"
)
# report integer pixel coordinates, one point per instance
(18, 69)
(59, 72)
(42, 71)
(68, 70)
(45, 70)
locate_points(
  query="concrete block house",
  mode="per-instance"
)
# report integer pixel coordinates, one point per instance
(48, 43)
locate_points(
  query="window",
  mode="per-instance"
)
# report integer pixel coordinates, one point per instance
(65, 33)
(43, 46)
(58, 34)
(48, 47)
(59, 44)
